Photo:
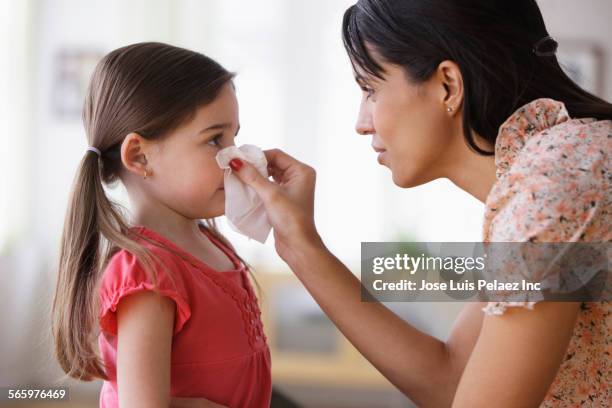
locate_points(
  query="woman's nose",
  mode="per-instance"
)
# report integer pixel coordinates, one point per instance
(364, 125)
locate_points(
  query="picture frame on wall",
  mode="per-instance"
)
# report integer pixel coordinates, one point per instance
(71, 73)
(583, 61)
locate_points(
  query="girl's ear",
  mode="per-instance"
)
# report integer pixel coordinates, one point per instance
(134, 150)
(451, 81)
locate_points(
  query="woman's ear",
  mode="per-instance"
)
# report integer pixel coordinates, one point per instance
(134, 150)
(451, 80)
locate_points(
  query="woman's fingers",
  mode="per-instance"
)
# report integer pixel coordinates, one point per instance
(287, 170)
(249, 175)
(283, 167)
(289, 200)
(280, 160)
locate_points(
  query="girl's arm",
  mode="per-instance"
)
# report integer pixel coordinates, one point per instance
(145, 324)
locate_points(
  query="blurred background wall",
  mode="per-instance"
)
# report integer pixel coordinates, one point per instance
(296, 92)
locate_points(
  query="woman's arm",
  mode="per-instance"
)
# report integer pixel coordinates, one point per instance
(502, 361)
(517, 356)
(527, 346)
(423, 367)
(145, 323)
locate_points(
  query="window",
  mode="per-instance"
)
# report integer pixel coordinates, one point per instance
(14, 113)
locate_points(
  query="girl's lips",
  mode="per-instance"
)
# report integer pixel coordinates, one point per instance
(381, 156)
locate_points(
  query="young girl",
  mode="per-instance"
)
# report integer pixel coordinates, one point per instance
(178, 318)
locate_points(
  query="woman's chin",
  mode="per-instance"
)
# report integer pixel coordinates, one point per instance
(404, 180)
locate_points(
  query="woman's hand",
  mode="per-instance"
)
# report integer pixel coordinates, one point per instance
(193, 403)
(289, 200)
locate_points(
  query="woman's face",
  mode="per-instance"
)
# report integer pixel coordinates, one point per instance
(411, 128)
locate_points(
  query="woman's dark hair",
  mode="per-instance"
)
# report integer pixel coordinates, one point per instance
(147, 88)
(492, 42)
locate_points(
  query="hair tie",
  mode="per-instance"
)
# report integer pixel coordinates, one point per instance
(96, 151)
(541, 52)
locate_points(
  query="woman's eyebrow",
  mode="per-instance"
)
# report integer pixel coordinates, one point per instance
(361, 80)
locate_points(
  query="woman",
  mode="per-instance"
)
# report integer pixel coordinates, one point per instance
(470, 91)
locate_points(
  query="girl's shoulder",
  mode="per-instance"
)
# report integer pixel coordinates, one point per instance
(125, 273)
(125, 264)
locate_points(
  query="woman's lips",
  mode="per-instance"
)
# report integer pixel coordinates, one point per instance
(381, 152)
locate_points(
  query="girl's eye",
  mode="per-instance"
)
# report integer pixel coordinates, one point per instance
(215, 141)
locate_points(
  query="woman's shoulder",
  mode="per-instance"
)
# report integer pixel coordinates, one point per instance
(553, 177)
(541, 134)
(580, 144)
(573, 154)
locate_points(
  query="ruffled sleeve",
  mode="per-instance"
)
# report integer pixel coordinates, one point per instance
(124, 275)
(553, 190)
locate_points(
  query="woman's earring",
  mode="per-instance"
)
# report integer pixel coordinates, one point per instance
(145, 174)
(449, 109)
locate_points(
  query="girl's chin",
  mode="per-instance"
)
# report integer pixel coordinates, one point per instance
(212, 214)
(216, 207)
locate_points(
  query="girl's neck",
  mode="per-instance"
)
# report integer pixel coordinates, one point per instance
(187, 235)
(168, 223)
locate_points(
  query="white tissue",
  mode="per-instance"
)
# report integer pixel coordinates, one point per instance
(243, 207)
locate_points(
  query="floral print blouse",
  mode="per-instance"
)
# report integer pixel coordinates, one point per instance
(553, 179)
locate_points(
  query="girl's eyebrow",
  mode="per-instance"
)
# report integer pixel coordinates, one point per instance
(218, 126)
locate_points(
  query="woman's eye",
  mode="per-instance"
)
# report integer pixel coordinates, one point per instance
(368, 91)
(215, 141)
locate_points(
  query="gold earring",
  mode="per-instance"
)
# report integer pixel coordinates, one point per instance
(145, 174)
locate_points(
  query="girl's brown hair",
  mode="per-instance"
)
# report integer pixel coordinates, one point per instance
(150, 89)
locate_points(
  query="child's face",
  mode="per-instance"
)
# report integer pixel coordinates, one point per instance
(184, 173)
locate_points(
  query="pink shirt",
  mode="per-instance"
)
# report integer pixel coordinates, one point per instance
(553, 185)
(219, 350)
